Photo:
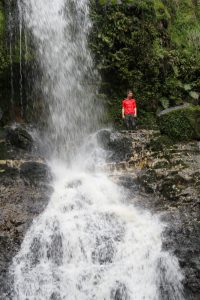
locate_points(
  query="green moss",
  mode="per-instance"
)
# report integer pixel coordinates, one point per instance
(2, 21)
(161, 10)
(181, 124)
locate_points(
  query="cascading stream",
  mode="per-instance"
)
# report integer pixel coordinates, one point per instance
(89, 243)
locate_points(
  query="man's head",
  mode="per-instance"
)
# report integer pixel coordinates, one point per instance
(130, 94)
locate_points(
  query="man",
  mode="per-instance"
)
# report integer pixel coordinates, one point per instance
(129, 111)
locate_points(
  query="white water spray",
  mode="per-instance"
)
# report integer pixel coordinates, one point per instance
(88, 243)
(59, 29)
(20, 58)
(11, 53)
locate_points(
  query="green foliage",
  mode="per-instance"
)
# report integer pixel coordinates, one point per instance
(164, 102)
(121, 43)
(181, 124)
(4, 61)
(150, 46)
(2, 21)
(27, 54)
(146, 119)
(115, 113)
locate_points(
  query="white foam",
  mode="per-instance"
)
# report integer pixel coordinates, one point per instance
(88, 244)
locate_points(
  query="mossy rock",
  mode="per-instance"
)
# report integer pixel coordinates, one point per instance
(160, 143)
(181, 123)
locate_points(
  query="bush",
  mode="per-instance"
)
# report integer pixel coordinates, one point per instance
(181, 124)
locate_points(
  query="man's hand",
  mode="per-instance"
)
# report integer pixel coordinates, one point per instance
(123, 117)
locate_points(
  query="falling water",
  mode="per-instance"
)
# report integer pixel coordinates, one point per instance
(11, 53)
(89, 243)
(26, 54)
(20, 58)
(60, 32)
(26, 46)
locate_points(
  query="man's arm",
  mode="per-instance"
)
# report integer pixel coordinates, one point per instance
(135, 111)
(123, 113)
(123, 116)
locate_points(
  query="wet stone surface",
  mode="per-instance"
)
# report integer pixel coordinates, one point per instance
(166, 180)
(24, 192)
(161, 177)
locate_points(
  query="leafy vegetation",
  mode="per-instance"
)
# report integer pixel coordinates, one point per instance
(4, 61)
(150, 46)
(181, 124)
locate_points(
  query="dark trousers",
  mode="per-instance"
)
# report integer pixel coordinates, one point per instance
(130, 121)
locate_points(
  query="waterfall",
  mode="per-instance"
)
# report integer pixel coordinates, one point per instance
(11, 54)
(20, 59)
(89, 243)
(68, 82)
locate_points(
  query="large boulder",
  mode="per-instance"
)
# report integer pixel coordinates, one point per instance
(19, 137)
(1, 114)
(181, 123)
(35, 173)
(118, 144)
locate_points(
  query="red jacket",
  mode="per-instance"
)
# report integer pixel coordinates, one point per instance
(129, 106)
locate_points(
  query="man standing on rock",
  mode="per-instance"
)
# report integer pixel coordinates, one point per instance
(129, 111)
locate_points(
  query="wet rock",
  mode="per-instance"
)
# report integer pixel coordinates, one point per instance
(55, 296)
(74, 184)
(169, 183)
(117, 143)
(104, 251)
(103, 138)
(35, 173)
(120, 293)
(120, 146)
(24, 193)
(161, 143)
(3, 150)
(1, 114)
(55, 249)
(19, 137)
